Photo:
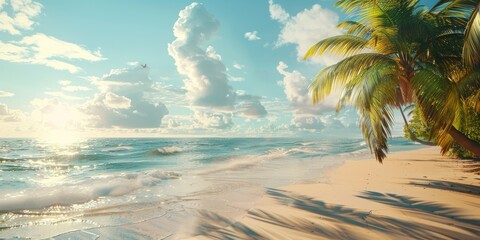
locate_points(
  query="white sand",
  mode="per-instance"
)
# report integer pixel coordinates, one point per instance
(413, 195)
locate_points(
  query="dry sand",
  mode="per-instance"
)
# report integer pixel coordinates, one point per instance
(413, 195)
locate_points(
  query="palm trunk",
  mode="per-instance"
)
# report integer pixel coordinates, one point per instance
(464, 141)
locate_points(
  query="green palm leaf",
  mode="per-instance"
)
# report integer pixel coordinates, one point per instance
(345, 45)
(330, 78)
(471, 47)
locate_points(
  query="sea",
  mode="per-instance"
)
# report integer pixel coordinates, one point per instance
(153, 188)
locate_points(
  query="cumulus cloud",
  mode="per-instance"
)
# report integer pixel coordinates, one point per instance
(207, 82)
(250, 106)
(122, 101)
(6, 94)
(207, 86)
(306, 28)
(21, 17)
(306, 116)
(115, 101)
(46, 50)
(309, 123)
(252, 36)
(297, 92)
(277, 12)
(3, 109)
(10, 115)
(213, 120)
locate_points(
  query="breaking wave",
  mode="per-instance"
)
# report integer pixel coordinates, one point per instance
(77, 193)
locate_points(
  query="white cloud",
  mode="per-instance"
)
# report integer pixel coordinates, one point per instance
(3, 109)
(252, 36)
(307, 116)
(207, 87)
(213, 120)
(250, 106)
(306, 28)
(66, 86)
(55, 114)
(238, 66)
(207, 82)
(6, 94)
(310, 123)
(277, 12)
(211, 53)
(297, 92)
(50, 47)
(123, 102)
(23, 11)
(10, 115)
(59, 94)
(168, 94)
(115, 101)
(128, 80)
(72, 88)
(172, 123)
(48, 51)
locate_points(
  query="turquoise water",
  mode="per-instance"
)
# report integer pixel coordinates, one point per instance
(51, 189)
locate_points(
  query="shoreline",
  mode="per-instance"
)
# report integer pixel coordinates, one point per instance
(413, 194)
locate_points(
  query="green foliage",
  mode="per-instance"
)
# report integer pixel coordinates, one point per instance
(422, 129)
(398, 53)
(471, 129)
(418, 126)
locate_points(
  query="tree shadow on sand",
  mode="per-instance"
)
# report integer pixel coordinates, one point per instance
(410, 203)
(335, 221)
(446, 185)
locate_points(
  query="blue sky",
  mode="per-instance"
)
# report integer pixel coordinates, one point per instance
(165, 68)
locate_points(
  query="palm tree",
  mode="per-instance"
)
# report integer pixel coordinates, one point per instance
(383, 46)
(445, 94)
(444, 99)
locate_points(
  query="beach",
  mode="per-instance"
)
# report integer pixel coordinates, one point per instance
(244, 189)
(413, 195)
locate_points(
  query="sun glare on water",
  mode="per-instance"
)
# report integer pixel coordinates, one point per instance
(60, 147)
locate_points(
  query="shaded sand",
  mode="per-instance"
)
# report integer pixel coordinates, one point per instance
(413, 195)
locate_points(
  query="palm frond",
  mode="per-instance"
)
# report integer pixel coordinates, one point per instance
(376, 117)
(458, 8)
(438, 98)
(345, 45)
(330, 78)
(366, 83)
(471, 47)
(355, 28)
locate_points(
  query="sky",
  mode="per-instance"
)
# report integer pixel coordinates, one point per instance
(166, 68)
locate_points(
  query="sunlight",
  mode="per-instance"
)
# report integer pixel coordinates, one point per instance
(59, 140)
(60, 146)
(59, 116)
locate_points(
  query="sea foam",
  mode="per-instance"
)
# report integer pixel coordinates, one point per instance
(165, 150)
(68, 194)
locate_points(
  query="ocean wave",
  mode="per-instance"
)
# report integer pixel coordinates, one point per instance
(117, 149)
(239, 163)
(165, 151)
(68, 194)
(307, 150)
